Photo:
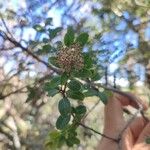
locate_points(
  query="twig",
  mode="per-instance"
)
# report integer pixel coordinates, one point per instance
(13, 92)
(4, 23)
(113, 139)
(41, 80)
(91, 109)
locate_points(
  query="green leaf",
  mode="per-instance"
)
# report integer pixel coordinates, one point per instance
(64, 78)
(54, 32)
(80, 109)
(82, 39)
(54, 140)
(54, 83)
(41, 52)
(77, 95)
(104, 96)
(147, 140)
(51, 88)
(45, 50)
(48, 21)
(76, 141)
(88, 62)
(62, 122)
(95, 75)
(69, 36)
(47, 86)
(54, 134)
(71, 141)
(38, 28)
(90, 92)
(64, 106)
(45, 40)
(53, 60)
(47, 47)
(32, 93)
(53, 92)
(33, 43)
(72, 109)
(59, 44)
(85, 73)
(72, 132)
(74, 85)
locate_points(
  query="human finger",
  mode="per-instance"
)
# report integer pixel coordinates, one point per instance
(114, 121)
(144, 134)
(131, 134)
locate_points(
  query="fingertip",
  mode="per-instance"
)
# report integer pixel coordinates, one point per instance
(131, 99)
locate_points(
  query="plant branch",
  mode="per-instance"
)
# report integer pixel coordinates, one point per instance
(91, 109)
(4, 23)
(84, 126)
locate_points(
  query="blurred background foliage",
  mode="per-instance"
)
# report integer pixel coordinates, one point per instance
(31, 31)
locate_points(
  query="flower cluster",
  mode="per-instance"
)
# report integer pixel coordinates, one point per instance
(70, 58)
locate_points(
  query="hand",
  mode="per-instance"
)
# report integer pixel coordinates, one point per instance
(133, 137)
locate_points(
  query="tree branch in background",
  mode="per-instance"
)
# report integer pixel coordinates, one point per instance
(17, 44)
(13, 92)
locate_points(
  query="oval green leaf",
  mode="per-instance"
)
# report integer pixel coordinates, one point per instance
(48, 21)
(64, 78)
(53, 32)
(82, 39)
(77, 95)
(53, 92)
(74, 85)
(103, 97)
(71, 141)
(53, 61)
(80, 109)
(62, 122)
(64, 106)
(53, 84)
(38, 28)
(69, 37)
(88, 60)
(85, 73)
